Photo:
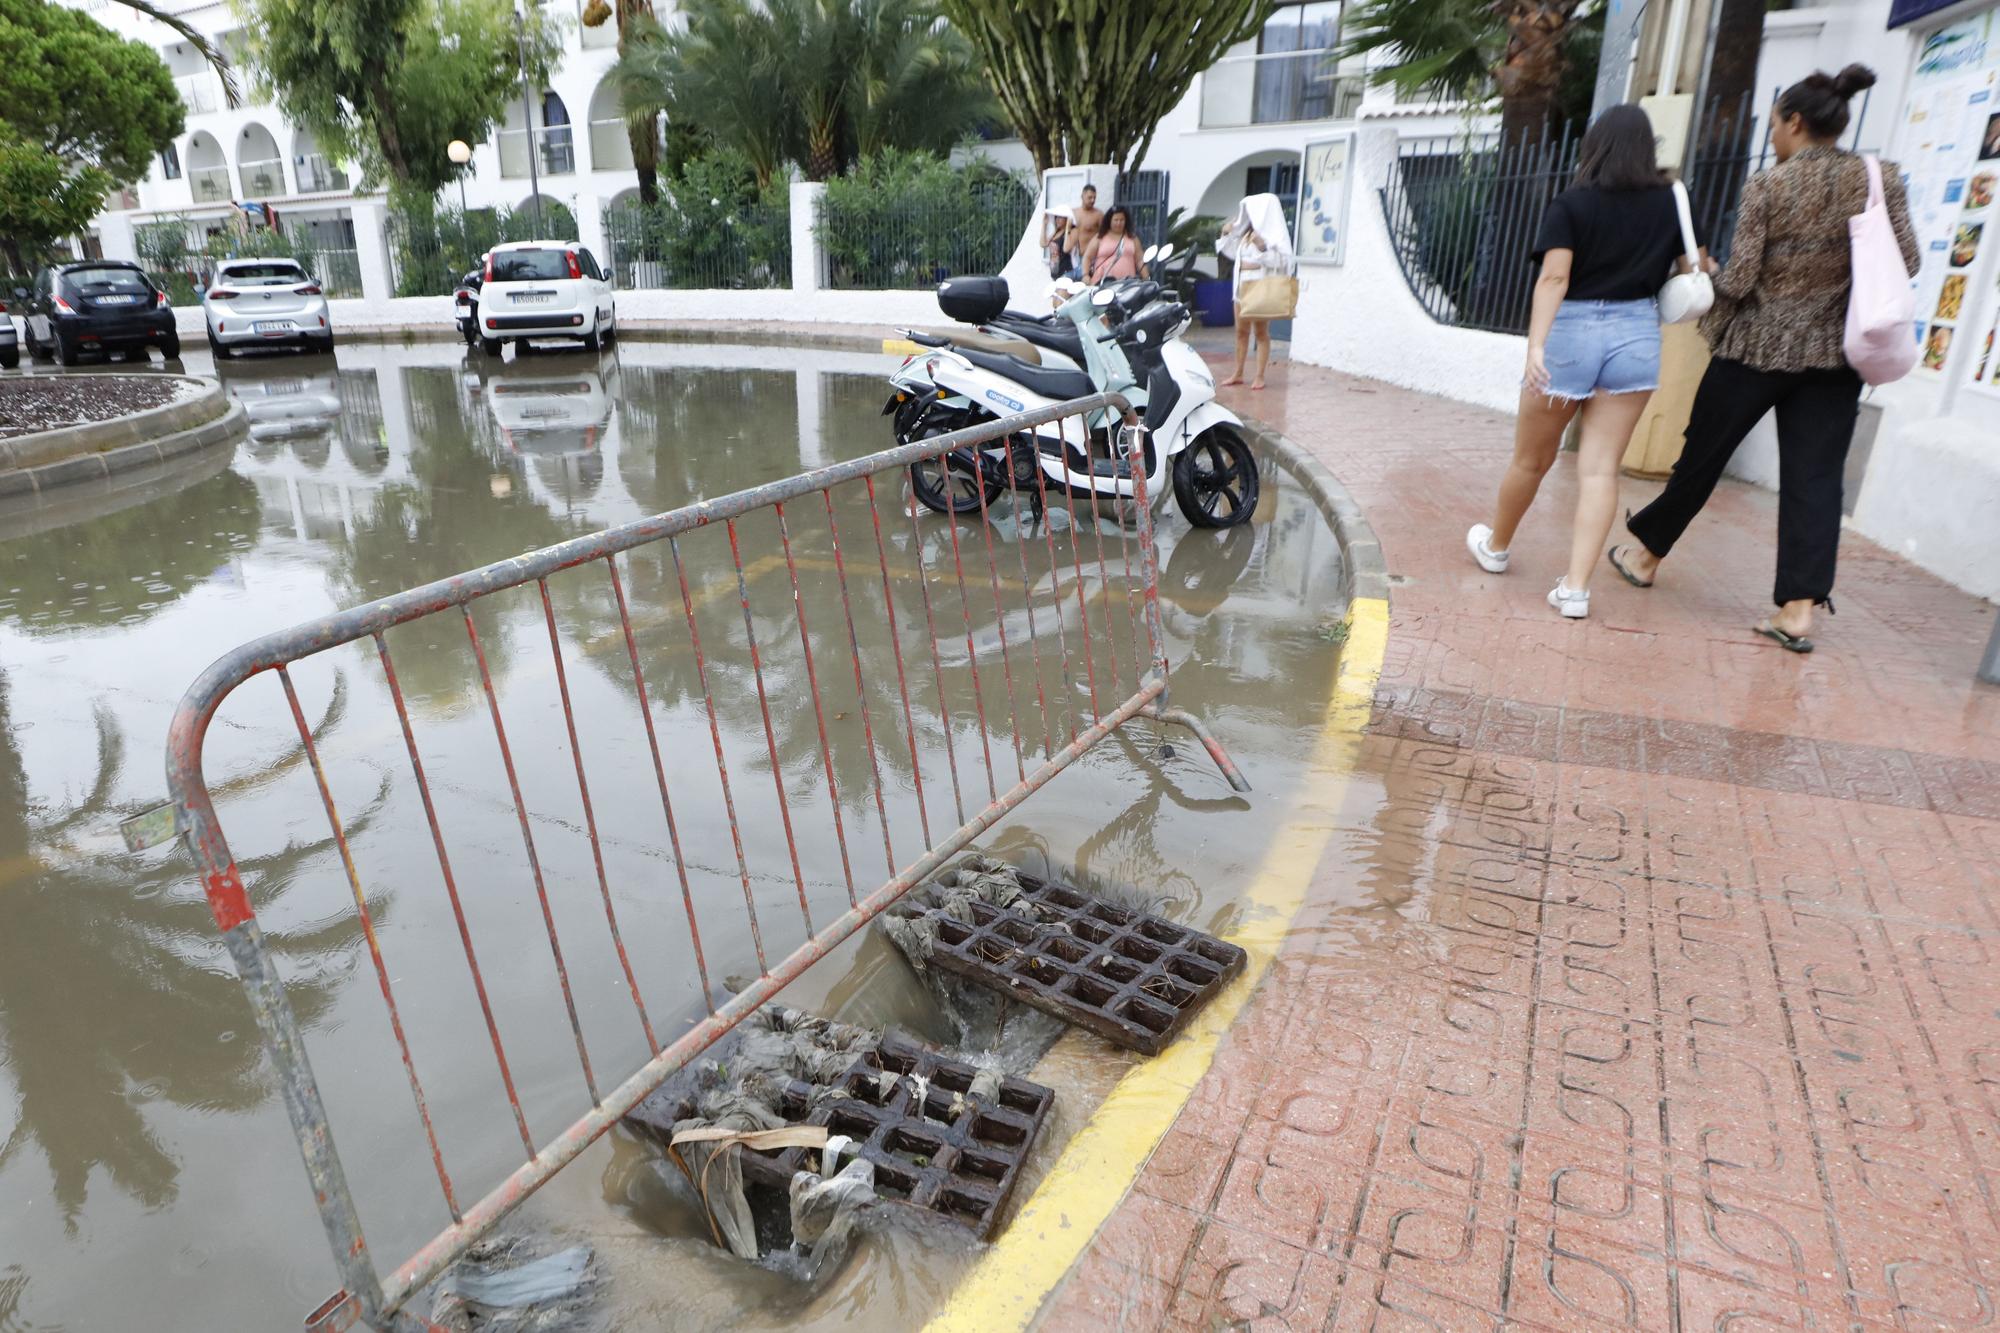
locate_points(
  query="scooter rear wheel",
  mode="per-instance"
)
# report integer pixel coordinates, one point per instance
(1215, 479)
(947, 485)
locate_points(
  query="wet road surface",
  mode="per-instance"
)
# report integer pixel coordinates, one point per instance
(149, 1165)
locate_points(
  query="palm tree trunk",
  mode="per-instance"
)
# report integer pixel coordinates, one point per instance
(1530, 73)
(640, 131)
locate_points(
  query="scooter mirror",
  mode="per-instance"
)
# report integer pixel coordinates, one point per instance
(1166, 252)
(1151, 254)
(1103, 297)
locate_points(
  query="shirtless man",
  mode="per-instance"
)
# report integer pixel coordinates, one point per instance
(1089, 221)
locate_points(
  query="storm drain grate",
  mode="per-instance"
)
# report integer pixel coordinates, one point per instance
(1132, 978)
(959, 1158)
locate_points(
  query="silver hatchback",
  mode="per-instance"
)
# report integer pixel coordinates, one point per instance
(264, 302)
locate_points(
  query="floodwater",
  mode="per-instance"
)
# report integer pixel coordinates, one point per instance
(146, 1162)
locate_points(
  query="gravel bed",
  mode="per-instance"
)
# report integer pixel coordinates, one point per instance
(30, 403)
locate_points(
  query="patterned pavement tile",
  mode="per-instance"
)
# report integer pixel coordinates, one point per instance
(1652, 978)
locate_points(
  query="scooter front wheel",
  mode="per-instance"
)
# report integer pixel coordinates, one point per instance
(1215, 479)
(951, 484)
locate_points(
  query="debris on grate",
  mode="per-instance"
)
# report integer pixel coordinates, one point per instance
(925, 1130)
(514, 1285)
(1133, 978)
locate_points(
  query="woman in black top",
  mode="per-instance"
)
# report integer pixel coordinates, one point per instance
(1606, 245)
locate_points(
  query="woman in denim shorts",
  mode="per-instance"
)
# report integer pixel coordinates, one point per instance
(1606, 245)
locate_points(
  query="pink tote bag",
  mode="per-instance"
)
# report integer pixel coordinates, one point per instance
(1881, 340)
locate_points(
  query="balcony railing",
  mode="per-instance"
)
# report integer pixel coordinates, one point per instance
(316, 174)
(1285, 86)
(610, 146)
(262, 180)
(210, 185)
(199, 93)
(556, 143)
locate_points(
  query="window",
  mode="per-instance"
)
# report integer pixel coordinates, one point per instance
(106, 281)
(272, 273)
(170, 163)
(530, 265)
(1312, 26)
(588, 263)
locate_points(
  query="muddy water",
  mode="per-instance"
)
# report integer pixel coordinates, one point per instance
(146, 1162)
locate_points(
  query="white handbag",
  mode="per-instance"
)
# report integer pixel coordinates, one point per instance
(1687, 296)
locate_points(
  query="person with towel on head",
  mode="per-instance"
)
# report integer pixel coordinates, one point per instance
(1257, 240)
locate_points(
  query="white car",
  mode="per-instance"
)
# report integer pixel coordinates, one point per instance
(264, 302)
(544, 289)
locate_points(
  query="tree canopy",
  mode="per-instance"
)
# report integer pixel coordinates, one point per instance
(74, 89)
(42, 200)
(817, 82)
(1090, 82)
(389, 84)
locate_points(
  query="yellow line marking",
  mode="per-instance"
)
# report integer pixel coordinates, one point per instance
(1009, 1285)
(899, 347)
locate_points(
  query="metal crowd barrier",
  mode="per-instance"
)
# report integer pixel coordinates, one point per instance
(1106, 628)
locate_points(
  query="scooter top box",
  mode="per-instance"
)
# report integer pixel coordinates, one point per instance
(972, 300)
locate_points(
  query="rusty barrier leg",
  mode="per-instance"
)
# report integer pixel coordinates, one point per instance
(1054, 591)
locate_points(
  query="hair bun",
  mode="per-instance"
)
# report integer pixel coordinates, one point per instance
(1853, 79)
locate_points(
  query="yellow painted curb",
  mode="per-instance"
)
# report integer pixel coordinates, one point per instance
(1008, 1286)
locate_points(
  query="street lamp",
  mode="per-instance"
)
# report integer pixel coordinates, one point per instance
(528, 113)
(460, 152)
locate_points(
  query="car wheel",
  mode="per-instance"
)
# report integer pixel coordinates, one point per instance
(490, 346)
(324, 346)
(170, 347)
(223, 351)
(36, 350)
(593, 341)
(65, 354)
(10, 356)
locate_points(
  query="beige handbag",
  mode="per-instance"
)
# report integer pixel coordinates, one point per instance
(1273, 297)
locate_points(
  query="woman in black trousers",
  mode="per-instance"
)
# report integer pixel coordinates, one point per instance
(1776, 330)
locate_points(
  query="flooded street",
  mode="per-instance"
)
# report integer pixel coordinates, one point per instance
(149, 1167)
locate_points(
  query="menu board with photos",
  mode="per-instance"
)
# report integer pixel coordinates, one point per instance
(1949, 148)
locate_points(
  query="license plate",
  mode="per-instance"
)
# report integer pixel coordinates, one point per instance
(533, 298)
(116, 300)
(274, 326)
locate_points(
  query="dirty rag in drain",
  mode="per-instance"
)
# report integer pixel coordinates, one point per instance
(1011, 1037)
(502, 1286)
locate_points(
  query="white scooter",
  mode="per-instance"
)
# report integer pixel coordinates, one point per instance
(1130, 340)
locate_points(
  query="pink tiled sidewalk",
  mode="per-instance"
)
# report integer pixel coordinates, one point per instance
(1653, 978)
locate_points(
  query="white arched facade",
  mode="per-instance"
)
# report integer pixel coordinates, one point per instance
(610, 145)
(209, 181)
(260, 166)
(1220, 195)
(313, 172)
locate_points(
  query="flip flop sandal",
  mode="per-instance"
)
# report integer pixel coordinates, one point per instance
(1789, 642)
(1619, 565)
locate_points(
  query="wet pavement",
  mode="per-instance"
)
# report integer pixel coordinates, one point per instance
(148, 1163)
(1649, 979)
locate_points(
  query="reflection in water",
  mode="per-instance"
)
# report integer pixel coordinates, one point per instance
(399, 466)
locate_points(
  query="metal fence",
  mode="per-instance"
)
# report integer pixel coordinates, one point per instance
(904, 244)
(655, 245)
(428, 255)
(1073, 651)
(1463, 212)
(1145, 193)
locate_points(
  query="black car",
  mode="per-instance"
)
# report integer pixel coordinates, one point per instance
(96, 305)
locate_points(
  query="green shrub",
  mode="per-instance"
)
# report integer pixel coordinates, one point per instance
(904, 220)
(712, 228)
(430, 251)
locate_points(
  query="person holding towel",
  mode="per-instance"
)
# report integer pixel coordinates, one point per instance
(1257, 240)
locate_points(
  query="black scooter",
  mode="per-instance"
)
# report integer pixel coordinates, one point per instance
(465, 306)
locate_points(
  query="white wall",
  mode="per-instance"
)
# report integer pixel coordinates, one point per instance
(1361, 318)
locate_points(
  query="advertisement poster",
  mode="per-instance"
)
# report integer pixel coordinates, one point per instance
(1326, 179)
(1949, 149)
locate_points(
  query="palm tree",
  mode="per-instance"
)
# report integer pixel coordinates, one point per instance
(225, 73)
(816, 82)
(1460, 48)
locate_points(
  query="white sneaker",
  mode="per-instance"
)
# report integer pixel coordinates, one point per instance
(1490, 560)
(1575, 605)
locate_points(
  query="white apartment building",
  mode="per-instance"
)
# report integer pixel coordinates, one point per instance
(1236, 132)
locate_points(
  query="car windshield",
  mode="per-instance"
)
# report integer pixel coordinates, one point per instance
(260, 275)
(530, 265)
(105, 282)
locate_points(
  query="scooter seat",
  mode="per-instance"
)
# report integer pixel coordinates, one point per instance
(1056, 335)
(1057, 384)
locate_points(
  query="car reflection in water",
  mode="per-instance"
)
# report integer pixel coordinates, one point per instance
(282, 403)
(550, 414)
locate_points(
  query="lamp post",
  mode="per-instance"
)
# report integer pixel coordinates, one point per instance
(528, 114)
(460, 152)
